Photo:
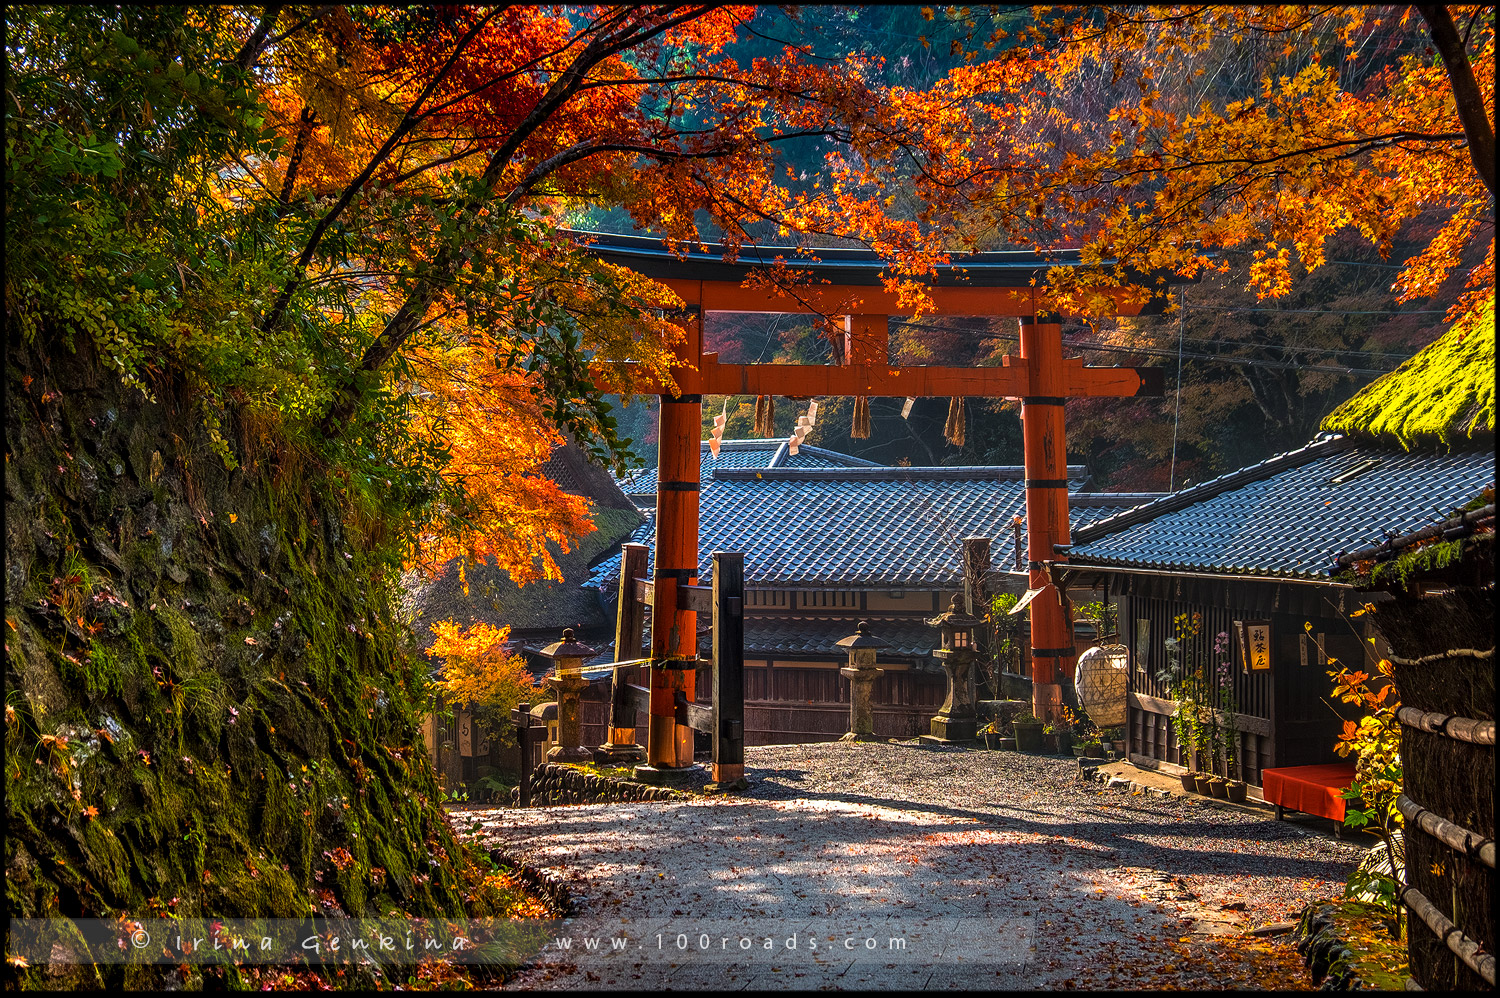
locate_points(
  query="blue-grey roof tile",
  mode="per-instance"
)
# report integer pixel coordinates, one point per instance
(864, 527)
(749, 454)
(1291, 515)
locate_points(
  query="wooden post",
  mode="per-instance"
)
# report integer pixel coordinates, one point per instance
(620, 747)
(976, 562)
(522, 718)
(674, 631)
(1046, 460)
(729, 671)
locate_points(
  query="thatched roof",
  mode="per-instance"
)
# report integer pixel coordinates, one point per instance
(539, 608)
(1445, 395)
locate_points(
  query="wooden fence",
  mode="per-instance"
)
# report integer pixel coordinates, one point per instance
(1448, 757)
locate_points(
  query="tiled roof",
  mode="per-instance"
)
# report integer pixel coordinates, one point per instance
(1291, 515)
(750, 454)
(884, 528)
(817, 637)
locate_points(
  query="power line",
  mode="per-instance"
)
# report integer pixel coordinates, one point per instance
(1222, 358)
(1238, 361)
(1177, 405)
(1233, 310)
(1284, 348)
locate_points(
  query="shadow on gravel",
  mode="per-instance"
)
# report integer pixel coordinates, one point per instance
(1141, 843)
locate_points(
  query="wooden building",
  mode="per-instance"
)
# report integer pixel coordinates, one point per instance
(1253, 554)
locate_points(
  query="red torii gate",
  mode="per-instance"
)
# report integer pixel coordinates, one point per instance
(985, 284)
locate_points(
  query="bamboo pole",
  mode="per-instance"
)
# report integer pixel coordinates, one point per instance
(1447, 832)
(1466, 949)
(1464, 729)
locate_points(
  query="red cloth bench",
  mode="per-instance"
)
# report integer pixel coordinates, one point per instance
(1309, 789)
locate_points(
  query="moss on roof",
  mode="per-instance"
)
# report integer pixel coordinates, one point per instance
(1443, 395)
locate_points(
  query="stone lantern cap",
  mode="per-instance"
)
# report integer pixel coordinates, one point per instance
(568, 648)
(954, 617)
(862, 639)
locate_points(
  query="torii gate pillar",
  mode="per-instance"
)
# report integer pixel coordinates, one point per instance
(1053, 655)
(674, 631)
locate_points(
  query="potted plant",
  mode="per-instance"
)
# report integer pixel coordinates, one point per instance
(991, 734)
(1093, 750)
(1179, 685)
(1234, 789)
(1028, 733)
(1064, 741)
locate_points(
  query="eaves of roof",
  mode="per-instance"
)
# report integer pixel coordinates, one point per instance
(963, 473)
(1452, 528)
(1097, 564)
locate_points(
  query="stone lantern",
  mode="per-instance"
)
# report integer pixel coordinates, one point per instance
(861, 673)
(567, 679)
(956, 721)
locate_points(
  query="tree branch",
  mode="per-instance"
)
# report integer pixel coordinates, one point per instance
(1466, 94)
(408, 122)
(322, 11)
(408, 318)
(251, 50)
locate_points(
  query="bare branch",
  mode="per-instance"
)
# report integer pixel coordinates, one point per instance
(256, 43)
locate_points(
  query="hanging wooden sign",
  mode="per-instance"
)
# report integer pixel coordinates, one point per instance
(1257, 645)
(465, 733)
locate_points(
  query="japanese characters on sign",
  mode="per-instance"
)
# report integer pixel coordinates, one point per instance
(1257, 645)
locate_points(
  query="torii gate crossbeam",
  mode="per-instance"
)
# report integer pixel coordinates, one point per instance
(989, 284)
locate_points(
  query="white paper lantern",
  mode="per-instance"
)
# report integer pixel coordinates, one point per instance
(1102, 678)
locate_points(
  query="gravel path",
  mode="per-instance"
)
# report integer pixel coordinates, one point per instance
(996, 870)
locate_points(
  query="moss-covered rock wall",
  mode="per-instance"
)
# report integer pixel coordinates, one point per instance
(210, 709)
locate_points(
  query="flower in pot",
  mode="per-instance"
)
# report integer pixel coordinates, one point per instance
(1235, 791)
(1028, 733)
(1067, 723)
(991, 734)
(1093, 749)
